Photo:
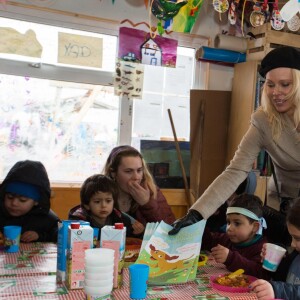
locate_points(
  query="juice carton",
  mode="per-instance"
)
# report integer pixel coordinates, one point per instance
(80, 238)
(62, 242)
(114, 237)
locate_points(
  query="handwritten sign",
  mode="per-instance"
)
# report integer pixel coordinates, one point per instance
(80, 50)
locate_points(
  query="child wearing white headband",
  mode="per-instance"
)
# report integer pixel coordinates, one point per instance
(240, 246)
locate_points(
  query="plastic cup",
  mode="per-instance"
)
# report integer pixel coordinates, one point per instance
(93, 269)
(99, 257)
(274, 254)
(93, 293)
(94, 276)
(139, 274)
(99, 282)
(12, 236)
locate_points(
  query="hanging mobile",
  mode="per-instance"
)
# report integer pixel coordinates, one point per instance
(232, 12)
(293, 24)
(277, 22)
(257, 17)
(220, 6)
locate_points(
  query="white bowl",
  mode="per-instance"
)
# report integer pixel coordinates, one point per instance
(98, 291)
(94, 276)
(98, 282)
(102, 253)
(106, 269)
(94, 261)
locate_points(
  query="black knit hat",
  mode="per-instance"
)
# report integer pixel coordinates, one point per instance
(283, 57)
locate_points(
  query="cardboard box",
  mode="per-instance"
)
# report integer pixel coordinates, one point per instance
(79, 240)
(62, 243)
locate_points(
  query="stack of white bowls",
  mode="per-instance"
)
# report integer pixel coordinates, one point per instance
(99, 270)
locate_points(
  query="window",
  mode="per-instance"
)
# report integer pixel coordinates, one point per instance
(69, 118)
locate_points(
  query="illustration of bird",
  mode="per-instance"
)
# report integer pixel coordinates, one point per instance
(165, 10)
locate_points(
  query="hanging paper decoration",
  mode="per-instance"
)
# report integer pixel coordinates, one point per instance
(165, 10)
(129, 79)
(140, 47)
(290, 9)
(184, 14)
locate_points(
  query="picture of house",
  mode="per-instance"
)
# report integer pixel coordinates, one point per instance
(151, 53)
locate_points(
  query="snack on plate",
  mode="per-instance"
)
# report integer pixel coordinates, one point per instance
(236, 281)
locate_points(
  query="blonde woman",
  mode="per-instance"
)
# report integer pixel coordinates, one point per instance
(274, 127)
(138, 195)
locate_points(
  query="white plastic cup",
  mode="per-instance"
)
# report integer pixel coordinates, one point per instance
(93, 269)
(99, 282)
(93, 292)
(274, 254)
(101, 276)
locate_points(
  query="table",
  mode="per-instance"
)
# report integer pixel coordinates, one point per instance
(31, 274)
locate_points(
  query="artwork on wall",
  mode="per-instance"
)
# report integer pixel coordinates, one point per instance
(129, 79)
(139, 46)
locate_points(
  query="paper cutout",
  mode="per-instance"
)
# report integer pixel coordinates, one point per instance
(137, 46)
(80, 50)
(129, 79)
(14, 42)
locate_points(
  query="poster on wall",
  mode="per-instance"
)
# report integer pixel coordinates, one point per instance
(139, 47)
(74, 49)
(129, 79)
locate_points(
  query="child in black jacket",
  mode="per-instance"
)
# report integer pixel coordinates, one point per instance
(25, 201)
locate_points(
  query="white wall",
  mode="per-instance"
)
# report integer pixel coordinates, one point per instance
(94, 14)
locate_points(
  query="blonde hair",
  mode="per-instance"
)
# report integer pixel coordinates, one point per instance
(275, 118)
(114, 159)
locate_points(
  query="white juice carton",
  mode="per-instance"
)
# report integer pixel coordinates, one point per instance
(62, 243)
(114, 237)
(80, 238)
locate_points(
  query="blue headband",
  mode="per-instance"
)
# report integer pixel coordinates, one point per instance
(23, 189)
(250, 214)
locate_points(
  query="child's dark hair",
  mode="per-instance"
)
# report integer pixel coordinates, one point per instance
(292, 216)
(250, 202)
(98, 183)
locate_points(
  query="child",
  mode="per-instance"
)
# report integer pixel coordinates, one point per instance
(240, 246)
(25, 201)
(287, 276)
(99, 206)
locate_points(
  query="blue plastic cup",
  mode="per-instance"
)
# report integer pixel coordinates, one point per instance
(12, 236)
(139, 274)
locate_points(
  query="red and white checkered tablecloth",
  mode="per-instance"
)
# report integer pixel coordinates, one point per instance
(30, 274)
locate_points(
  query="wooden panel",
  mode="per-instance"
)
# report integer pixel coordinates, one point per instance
(63, 198)
(261, 188)
(242, 104)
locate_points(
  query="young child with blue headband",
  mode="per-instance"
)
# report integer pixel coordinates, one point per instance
(240, 247)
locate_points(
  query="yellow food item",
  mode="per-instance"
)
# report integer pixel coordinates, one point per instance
(237, 281)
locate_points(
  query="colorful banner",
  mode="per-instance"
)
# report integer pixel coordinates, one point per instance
(139, 47)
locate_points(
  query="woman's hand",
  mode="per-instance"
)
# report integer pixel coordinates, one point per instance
(263, 289)
(140, 193)
(220, 253)
(138, 227)
(29, 236)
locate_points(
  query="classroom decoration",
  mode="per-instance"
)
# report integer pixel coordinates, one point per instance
(230, 42)
(141, 47)
(81, 50)
(221, 55)
(178, 16)
(290, 9)
(14, 42)
(165, 10)
(129, 79)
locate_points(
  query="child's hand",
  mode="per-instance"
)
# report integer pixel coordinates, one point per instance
(220, 253)
(138, 227)
(29, 236)
(263, 289)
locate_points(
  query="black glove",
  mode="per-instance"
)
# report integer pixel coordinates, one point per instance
(192, 217)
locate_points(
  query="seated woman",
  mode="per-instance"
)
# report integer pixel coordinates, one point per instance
(138, 194)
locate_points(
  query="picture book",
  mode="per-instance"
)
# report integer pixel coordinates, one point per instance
(172, 259)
